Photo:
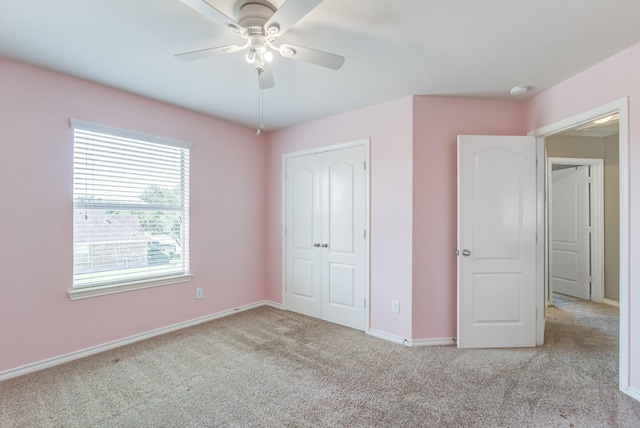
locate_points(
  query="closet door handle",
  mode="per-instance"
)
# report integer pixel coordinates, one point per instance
(325, 245)
(316, 244)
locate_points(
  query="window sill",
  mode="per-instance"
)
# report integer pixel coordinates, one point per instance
(84, 293)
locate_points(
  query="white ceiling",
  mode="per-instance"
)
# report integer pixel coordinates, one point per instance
(392, 48)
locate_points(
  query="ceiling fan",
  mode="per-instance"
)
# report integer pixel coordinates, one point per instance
(260, 24)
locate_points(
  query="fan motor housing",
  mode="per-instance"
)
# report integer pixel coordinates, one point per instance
(255, 14)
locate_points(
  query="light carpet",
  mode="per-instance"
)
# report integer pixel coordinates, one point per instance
(273, 368)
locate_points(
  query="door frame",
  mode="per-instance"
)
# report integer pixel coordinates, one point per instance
(366, 142)
(620, 106)
(597, 224)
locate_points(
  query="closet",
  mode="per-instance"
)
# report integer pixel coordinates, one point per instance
(325, 219)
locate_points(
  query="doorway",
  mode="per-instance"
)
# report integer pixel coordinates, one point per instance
(575, 217)
(576, 123)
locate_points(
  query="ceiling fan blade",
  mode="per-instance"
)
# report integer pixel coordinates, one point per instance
(205, 53)
(206, 9)
(324, 59)
(290, 13)
(265, 79)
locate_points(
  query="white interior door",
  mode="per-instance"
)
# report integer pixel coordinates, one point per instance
(497, 241)
(343, 228)
(570, 253)
(303, 271)
(325, 242)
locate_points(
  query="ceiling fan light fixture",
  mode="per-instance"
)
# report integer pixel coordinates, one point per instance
(259, 23)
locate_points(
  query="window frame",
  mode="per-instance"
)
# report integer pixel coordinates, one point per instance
(85, 291)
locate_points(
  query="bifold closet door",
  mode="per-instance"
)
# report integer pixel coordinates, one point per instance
(325, 253)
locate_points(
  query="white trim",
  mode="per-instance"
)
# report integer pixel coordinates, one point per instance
(51, 362)
(366, 142)
(542, 225)
(329, 148)
(84, 293)
(632, 392)
(388, 337)
(283, 230)
(597, 217)
(611, 303)
(581, 118)
(274, 305)
(622, 107)
(367, 223)
(445, 341)
(126, 133)
(624, 298)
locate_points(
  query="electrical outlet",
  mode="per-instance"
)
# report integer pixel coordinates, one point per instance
(199, 293)
(395, 306)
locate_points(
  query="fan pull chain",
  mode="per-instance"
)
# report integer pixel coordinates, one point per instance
(260, 111)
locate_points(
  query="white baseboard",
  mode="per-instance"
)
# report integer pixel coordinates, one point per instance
(388, 337)
(633, 393)
(274, 304)
(409, 342)
(50, 362)
(611, 302)
(445, 341)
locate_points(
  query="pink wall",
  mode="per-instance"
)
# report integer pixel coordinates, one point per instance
(389, 127)
(437, 123)
(37, 319)
(612, 79)
(413, 204)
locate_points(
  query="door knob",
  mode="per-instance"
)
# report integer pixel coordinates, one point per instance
(466, 252)
(316, 244)
(325, 245)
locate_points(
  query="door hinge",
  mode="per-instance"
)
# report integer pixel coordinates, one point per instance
(365, 303)
(365, 165)
(365, 234)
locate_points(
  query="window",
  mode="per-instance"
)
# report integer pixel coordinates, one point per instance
(130, 210)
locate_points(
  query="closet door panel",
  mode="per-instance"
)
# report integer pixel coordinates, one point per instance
(303, 222)
(343, 225)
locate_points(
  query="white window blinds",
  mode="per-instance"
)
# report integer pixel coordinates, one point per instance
(131, 206)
